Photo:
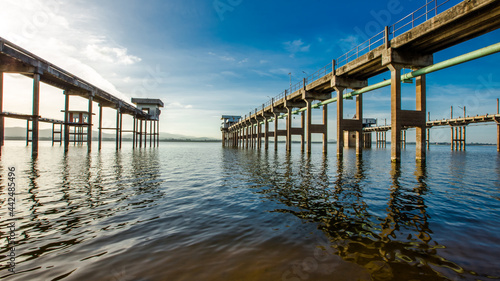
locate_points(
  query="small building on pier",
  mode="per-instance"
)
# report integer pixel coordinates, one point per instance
(149, 106)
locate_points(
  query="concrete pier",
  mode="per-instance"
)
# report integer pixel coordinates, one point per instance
(391, 50)
(14, 59)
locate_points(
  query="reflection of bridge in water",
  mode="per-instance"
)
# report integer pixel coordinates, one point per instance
(408, 44)
(393, 241)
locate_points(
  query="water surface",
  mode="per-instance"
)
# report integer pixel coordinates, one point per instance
(197, 211)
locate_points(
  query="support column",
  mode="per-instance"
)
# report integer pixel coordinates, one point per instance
(117, 128)
(140, 133)
(325, 126)
(100, 126)
(359, 133)
(289, 129)
(395, 112)
(66, 121)
(259, 135)
(303, 126)
(498, 137)
(89, 128)
(158, 132)
(421, 106)
(134, 128)
(150, 133)
(247, 137)
(309, 124)
(145, 133)
(36, 114)
(276, 131)
(121, 128)
(154, 133)
(340, 118)
(2, 124)
(464, 137)
(266, 136)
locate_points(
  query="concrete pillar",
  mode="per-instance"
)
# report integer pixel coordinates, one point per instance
(303, 126)
(464, 136)
(428, 139)
(150, 133)
(89, 128)
(259, 135)
(325, 124)
(421, 131)
(340, 118)
(289, 129)
(66, 120)
(276, 115)
(309, 124)
(266, 135)
(252, 135)
(158, 131)
(121, 128)
(100, 127)
(140, 133)
(117, 128)
(396, 115)
(134, 128)
(36, 114)
(2, 124)
(359, 133)
(247, 136)
(498, 137)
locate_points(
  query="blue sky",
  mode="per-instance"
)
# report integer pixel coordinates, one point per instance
(209, 58)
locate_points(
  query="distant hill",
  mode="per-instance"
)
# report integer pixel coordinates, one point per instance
(19, 133)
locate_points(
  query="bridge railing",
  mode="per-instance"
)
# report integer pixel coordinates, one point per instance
(363, 48)
(431, 9)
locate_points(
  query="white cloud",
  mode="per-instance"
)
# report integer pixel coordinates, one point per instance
(110, 54)
(348, 43)
(296, 46)
(280, 71)
(177, 105)
(222, 57)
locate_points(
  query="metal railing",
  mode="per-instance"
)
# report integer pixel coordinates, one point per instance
(419, 16)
